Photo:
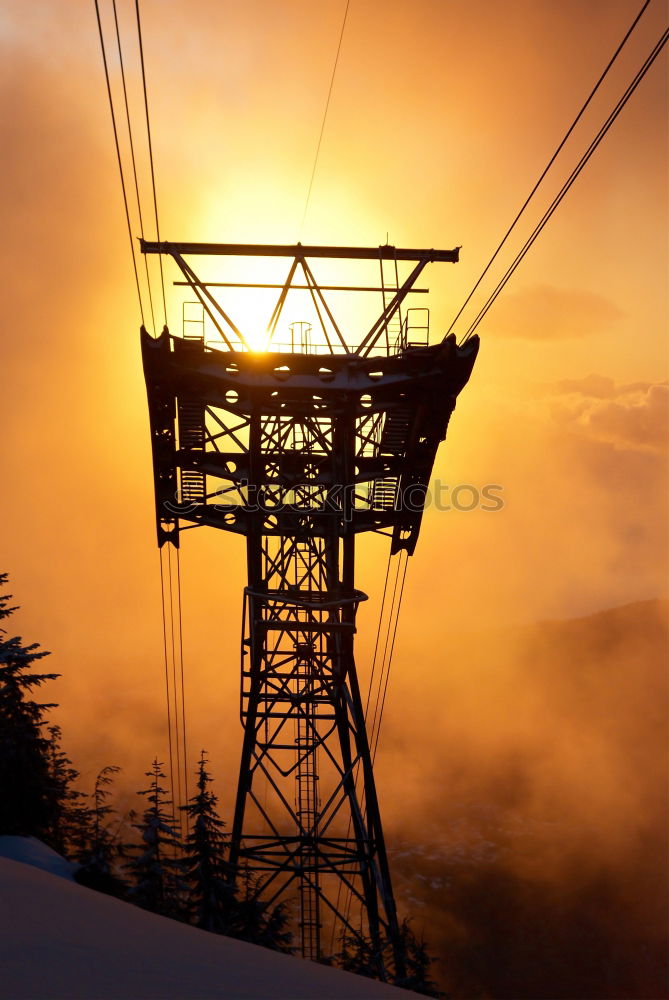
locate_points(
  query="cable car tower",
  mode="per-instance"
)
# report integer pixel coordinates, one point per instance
(300, 447)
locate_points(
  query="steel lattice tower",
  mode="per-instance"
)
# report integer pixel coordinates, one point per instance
(300, 451)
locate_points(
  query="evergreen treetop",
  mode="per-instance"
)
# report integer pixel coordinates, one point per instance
(221, 900)
(207, 873)
(361, 955)
(155, 864)
(29, 801)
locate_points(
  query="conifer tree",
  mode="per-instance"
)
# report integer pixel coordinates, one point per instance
(258, 922)
(70, 828)
(101, 854)
(211, 893)
(102, 842)
(29, 801)
(417, 964)
(155, 866)
(359, 954)
(217, 901)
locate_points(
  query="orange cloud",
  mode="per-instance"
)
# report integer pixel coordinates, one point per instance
(632, 416)
(545, 312)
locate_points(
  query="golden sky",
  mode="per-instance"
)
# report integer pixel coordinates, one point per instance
(442, 116)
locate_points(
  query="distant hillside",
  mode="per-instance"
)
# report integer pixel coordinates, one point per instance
(537, 854)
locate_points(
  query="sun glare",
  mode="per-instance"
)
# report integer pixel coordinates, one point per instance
(256, 339)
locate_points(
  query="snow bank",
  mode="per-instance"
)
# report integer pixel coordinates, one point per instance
(31, 851)
(60, 941)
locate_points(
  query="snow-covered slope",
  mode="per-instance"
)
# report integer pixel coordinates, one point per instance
(60, 940)
(32, 851)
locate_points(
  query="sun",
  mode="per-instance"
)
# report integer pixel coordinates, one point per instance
(256, 339)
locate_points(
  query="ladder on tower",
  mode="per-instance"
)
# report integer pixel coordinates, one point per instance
(384, 493)
(394, 441)
(191, 438)
(191, 411)
(395, 433)
(307, 804)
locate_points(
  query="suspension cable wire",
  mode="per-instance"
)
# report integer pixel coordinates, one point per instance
(184, 741)
(650, 59)
(178, 747)
(394, 611)
(378, 635)
(367, 700)
(177, 740)
(167, 685)
(325, 114)
(170, 689)
(550, 163)
(391, 629)
(390, 657)
(148, 135)
(118, 158)
(132, 156)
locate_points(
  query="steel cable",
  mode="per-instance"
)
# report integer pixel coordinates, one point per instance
(132, 156)
(325, 114)
(118, 157)
(659, 45)
(183, 695)
(167, 684)
(551, 161)
(148, 135)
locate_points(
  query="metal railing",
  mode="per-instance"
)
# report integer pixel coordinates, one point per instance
(301, 337)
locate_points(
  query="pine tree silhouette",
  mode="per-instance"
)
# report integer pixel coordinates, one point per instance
(211, 893)
(103, 841)
(258, 922)
(155, 867)
(29, 800)
(218, 901)
(359, 954)
(38, 793)
(71, 824)
(417, 964)
(101, 854)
